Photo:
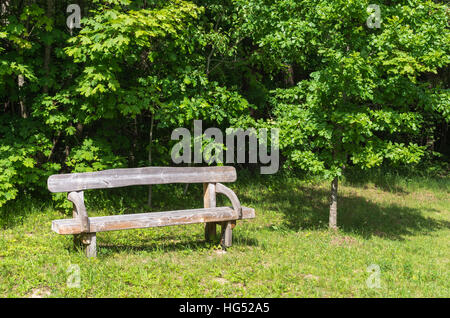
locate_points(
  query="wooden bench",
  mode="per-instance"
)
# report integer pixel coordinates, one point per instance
(85, 228)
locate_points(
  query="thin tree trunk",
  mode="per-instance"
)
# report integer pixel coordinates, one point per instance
(149, 202)
(66, 153)
(333, 204)
(48, 47)
(290, 76)
(134, 143)
(79, 128)
(55, 141)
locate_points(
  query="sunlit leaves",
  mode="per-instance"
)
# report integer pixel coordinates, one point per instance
(366, 87)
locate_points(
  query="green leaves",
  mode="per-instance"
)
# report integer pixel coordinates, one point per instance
(93, 155)
(341, 93)
(361, 88)
(21, 147)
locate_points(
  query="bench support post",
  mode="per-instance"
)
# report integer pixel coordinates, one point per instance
(90, 244)
(79, 209)
(226, 235)
(209, 201)
(86, 239)
(87, 242)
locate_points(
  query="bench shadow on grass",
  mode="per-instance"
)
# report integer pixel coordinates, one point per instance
(308, 209)
(153, 246)
(173, 243)
(162, 245)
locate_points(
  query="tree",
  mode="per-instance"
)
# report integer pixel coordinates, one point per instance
(359, 91)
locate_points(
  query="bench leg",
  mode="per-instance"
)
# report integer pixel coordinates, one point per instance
(90, 244)
(209, 201)
(226, 235)
(210, 231)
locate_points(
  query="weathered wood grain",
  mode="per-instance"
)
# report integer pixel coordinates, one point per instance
(114, 178)
(226, 234)
(90, 244)
(153, 219)
(209, 195)
(209, 201)
(77, 198)
(220, 188)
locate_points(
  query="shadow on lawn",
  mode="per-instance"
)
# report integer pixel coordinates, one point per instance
(307, 208)
(173, 243)
(154, 245)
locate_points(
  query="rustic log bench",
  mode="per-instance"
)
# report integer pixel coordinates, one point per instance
(84, 228)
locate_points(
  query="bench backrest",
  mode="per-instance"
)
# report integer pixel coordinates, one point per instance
(115, 178)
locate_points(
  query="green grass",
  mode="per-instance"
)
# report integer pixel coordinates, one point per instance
(400, 224)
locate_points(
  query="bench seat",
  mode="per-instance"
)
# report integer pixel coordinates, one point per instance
(152, 219)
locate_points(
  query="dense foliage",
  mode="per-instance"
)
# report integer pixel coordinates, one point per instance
(109, 94)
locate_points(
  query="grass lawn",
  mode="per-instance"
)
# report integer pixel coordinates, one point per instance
(401, 226)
